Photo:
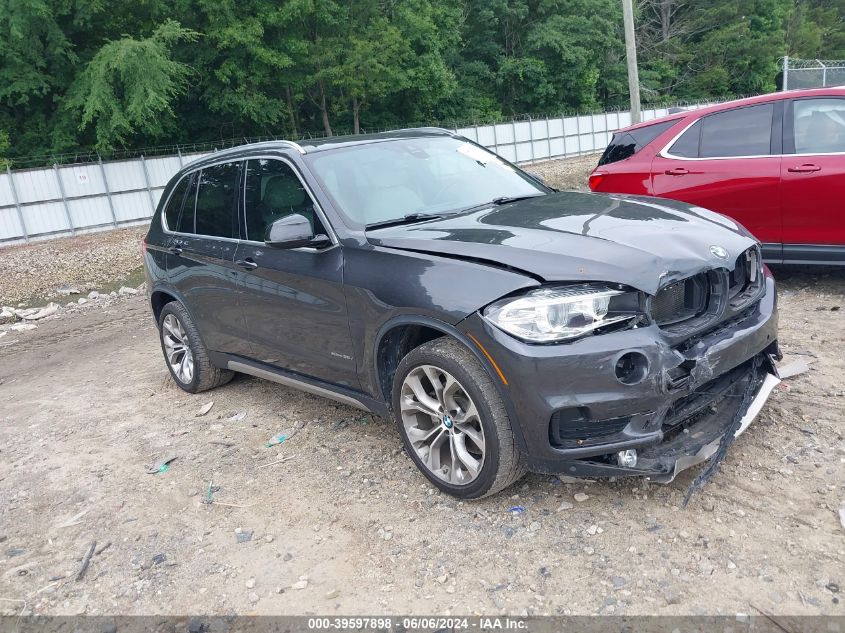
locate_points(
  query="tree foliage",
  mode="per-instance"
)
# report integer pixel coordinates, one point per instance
(129, 85)
(83, 74)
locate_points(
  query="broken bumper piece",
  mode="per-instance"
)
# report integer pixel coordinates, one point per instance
(708, 450)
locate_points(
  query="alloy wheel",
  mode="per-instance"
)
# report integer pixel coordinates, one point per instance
(442, 424)
(177, 348)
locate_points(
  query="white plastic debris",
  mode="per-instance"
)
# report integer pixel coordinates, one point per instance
(794, 368)
(205, 409)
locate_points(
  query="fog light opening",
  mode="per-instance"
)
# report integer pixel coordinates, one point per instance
(631, 368)
(627, 459)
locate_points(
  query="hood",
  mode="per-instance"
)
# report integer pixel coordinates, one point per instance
(632, 240)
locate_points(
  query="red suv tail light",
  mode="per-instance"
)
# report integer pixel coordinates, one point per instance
(596, 180)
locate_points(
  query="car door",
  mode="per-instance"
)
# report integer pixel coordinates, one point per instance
(293, 299)
(813, 178)
(201, 257)
(729, 162)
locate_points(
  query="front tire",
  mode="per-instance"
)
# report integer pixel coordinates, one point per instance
(185, 353)
(453, 422)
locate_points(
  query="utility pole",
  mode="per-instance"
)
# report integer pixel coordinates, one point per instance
(631, 55)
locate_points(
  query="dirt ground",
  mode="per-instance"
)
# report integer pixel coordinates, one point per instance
(348, 526)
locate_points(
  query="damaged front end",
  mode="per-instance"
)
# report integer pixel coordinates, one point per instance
(658, 398)
(697, 425)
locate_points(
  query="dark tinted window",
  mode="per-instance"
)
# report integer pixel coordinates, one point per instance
(626, 144)
(819, 125)
(174, 205)
(273, 191)
(216, 197)
(740, 132)
(186, 220)
(687, 143)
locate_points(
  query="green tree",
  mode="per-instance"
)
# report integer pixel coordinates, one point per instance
(82, 74)
(374, 65)
(129, 86)
(245, 57)
(4, 149)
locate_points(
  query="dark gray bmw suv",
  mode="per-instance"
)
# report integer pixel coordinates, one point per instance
(503, 325)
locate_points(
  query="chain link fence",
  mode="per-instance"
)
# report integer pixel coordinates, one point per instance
(811, 73)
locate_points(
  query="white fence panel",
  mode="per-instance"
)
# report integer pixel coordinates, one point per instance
(133, 205)
(161, 170)
(125, 175)
(10, 226)
(36, 185)
(81, 180)
(46, 218)
(90, 212)
(7, 198)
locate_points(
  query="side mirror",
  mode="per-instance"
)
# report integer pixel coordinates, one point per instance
(293, 231)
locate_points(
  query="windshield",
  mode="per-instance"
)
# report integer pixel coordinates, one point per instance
(389, 180)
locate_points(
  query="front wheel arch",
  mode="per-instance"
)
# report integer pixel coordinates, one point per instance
(443, 329)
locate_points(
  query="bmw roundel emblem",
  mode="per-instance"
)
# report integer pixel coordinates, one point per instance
(719, 252)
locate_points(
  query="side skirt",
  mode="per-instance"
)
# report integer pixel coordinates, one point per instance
(829, 255)
(297, 381)
(804, 254)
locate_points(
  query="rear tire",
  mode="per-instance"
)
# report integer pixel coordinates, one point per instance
(185, 354)
(453, 422)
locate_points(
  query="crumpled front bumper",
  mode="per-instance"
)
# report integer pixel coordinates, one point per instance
(705, 452)
(672, 428)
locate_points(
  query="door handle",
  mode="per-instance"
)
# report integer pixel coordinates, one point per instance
(805, 168)
(175, 250)
(247, 264)
(677, 171)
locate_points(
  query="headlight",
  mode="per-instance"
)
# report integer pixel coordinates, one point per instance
(563, 313)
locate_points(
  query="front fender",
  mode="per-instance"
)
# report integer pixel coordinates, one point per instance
(385, 285)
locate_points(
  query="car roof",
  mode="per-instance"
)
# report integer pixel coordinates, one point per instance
(838, 91)
(309, 146)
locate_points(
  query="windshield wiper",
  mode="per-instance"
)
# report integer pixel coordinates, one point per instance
(408, 219)
(506, 199)
(499, 201)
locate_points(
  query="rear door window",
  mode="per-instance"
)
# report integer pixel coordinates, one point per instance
(739, 132)
(687, 144)
(819, 125)
(216, 214)
(626, 144)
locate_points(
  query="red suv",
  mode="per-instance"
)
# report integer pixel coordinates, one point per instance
(774, 163)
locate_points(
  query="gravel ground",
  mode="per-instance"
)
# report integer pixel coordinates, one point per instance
(348, 526)
(33, 273)
(566, 174)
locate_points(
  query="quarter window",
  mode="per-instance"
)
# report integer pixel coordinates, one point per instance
(215, 211)
(739, 132)
(186, 220)
(272, 191)
(819, 125)
(626, 144)
(174, 205)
